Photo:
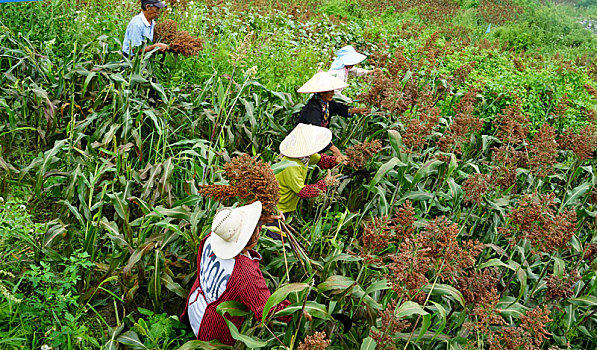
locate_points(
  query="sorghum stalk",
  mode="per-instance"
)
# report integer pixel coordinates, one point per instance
(301, 316)
(425, 303)
(540, 277)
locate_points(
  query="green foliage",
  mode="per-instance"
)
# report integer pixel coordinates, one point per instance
(102, 158)
(155, 331)
(343, 9)
(45, 304)
(548, 28)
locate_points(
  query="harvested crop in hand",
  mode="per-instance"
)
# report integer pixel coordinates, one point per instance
(165, 31)
(359, 155)
(179, 41)
(186, 44)
(223, 192)
(249, 179)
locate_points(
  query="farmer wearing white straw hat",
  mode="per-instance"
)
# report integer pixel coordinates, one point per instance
(299, 150)
(228, 269)
(321, 106)
(344, 65)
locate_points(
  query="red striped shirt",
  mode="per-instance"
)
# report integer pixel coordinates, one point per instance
(311, 191)
(247, 286)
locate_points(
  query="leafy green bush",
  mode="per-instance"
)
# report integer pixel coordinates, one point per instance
(343, 9)
(44, 307)
(546, 27)
(155, 331)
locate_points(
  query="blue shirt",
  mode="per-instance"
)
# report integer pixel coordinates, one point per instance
(137, 31)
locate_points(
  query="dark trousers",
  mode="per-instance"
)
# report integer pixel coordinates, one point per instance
(272, 234)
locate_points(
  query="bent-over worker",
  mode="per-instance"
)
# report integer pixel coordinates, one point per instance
(344, 65)
(321, 106)
(228, 269)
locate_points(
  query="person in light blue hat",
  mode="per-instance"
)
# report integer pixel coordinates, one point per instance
(344, 65)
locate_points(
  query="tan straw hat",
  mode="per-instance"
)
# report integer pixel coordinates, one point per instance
(321, 82)
(232, 229)
(305, 140)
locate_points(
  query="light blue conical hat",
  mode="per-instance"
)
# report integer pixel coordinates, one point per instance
(347, 56)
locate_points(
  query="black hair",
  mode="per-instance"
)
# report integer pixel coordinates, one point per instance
(255, 236)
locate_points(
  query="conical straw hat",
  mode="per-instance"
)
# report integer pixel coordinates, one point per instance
(320, 82)
(232, 229)
(305, 140)
(347, 56)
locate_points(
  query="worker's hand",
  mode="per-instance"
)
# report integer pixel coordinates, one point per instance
(163, 47)
(331, 180)
(359, 110)
(341, 159)
(266, 219)
(376, 71)
(307, 315)
(335, 151)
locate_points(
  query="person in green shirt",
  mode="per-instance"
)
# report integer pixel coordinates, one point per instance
(299, 150)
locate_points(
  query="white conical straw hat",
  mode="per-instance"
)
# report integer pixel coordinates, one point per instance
(232, 229)
(320, 82)
(305, 140)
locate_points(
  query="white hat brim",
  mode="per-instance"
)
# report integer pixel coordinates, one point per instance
(353, 58)
(321, 82)
(249, 217)
(305, 140)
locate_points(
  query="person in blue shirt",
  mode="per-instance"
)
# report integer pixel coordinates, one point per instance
(140, 29)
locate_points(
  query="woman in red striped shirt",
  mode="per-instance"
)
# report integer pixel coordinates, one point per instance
(228, 269)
